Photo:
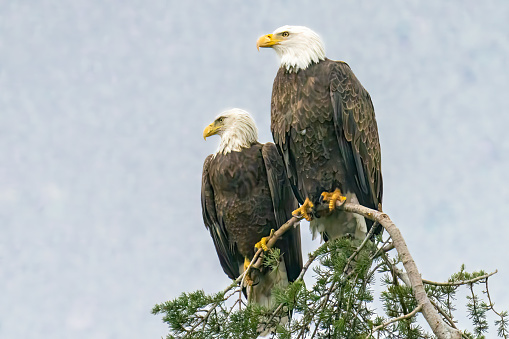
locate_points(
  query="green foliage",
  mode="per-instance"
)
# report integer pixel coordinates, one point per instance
(477, 312)
(502, 325)
(272, 258)
(196, 315)
(339, 304)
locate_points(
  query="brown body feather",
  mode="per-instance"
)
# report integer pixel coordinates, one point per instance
(324, 126)
(244, 195)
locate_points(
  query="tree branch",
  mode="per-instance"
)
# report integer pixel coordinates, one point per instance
(440, 322)
(393, 320)
(458, 283)
(257, 260)
(358, 249)
(438, 326)
(502, 315)
(312, 258)
(445, 315)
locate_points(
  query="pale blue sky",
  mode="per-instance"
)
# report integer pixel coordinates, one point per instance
(102, 111)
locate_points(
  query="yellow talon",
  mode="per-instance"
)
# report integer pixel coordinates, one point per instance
(304, 210)
(247, 278)
(263, 241)
(332, 198)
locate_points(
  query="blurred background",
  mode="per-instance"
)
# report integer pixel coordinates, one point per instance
(102, 108)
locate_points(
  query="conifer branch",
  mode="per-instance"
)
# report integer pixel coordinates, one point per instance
(502, 331)
(257, 260)
(445, 315)
(334, 305)
(393, 320)
(388, 247)
(459, 283)
(358, 249)
(312, 257)
(477, 309)
(438, 326)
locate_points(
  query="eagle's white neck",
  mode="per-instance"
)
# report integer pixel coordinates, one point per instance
(235, 141)
(240, 132)
(300, 51)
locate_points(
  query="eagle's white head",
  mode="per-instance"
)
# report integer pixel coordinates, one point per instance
(297, 46)
(236, 128)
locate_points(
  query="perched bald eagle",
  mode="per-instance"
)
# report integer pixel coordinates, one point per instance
(245, 195)
(323, 123)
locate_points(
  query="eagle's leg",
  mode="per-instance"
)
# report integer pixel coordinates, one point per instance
(247, 278)
(332, 198)
(263, 241)
(304, 210)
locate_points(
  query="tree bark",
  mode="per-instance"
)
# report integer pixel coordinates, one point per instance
(438, 326)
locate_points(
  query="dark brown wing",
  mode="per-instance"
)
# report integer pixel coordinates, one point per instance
(228, 258)
(284, 98)
(284, 203)
(357, 132)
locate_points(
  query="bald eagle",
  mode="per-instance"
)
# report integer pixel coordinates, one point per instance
(245, 195)
(323, 123)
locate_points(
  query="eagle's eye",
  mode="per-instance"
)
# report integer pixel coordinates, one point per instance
(285, 34)
(220, 119)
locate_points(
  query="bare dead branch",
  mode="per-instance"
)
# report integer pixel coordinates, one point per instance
(459, 283)
(393, 320)
(438, 326)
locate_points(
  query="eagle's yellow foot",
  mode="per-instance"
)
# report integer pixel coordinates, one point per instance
(247, 278)
(263, 242)
(304, 210)
(332, 197)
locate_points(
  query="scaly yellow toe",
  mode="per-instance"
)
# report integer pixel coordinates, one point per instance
(332, 198)
(304, 210)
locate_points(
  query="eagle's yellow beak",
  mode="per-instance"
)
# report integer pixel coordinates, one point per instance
(267, 40)
(211, 130)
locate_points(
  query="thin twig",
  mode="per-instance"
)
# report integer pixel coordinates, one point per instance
(440, 328)
(504, 333)
(458, 283)
(275, 312)
(393, 320)
(257, 260)
(203, 320)
(381, 248)
(489, 299)
(404, 277)
(445, 315)
(474, 304)
(388, 247)
(229, 295)
(312, 257)
(323, 304)
(240, 299)
(358, 249)
(231, 309)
